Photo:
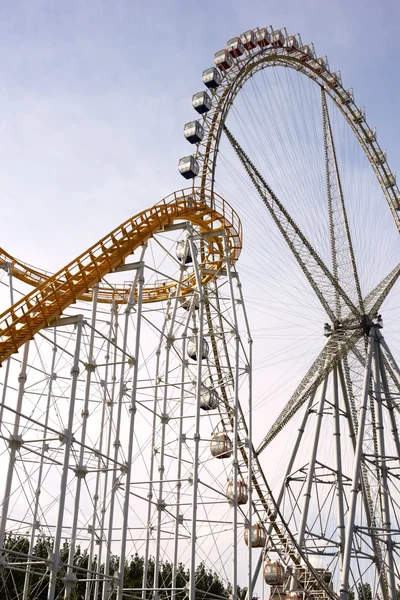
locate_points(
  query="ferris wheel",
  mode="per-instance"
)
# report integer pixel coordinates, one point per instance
(126, 417)
(282, 138)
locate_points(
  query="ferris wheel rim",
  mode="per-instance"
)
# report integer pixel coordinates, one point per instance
(252, 62)
(223, 99)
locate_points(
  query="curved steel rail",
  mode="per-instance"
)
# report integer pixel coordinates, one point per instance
(304, 60)
(55, 293)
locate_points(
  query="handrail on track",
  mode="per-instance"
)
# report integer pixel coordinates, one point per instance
(55, 293)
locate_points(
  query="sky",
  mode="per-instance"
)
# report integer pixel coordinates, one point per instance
(94, 95)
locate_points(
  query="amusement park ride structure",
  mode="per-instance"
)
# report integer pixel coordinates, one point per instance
(126, 416)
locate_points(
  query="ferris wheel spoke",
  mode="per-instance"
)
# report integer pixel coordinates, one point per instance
(338, 346)
(344, 268)
(317, 273)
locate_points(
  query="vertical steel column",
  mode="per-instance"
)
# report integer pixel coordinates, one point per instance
(179, 470)
(395, 430)
(196, 436)
(109, 402)
(89, 583)
(311, 465)
(250, 470)
(15, 442)
(386, 523)
(152, 460)
(132, 410)
(364, 477)
(80, 469)
(164, 421)
(390, 357)
(235, 427)
(179, 457)
(339, 475)
(117, 442)
(8, 267)
(67, 450)
(35, 523)
(344, 591)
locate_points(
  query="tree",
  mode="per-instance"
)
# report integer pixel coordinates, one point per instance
(364, 591)
(208, 583)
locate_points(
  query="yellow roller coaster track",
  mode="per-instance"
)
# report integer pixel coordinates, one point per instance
(54, 293)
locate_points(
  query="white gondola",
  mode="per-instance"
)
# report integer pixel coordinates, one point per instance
(201, 102)
(258, 535)
(242, 494)
(223, 60)
(263, 39)
(192, 348)
(390, 180)
(381, 157)
(188, 167)
(209, 399)
(183, 252)
(221, 445)
(291, 43)
(191, 302)
(338, 76)
(308, 52)
(248, 39)
(370, 134)
(322, 64)
(292, 596)
(235, 47)
(359, 115)
(193, 132)
(348, 96)
(274, 573)
(333, 79)
(277, 38)
(212, 78)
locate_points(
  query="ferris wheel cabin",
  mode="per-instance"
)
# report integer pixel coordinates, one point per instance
(223, 60)
(183, 252)
(262, 37)
(277, 38)
(258, 536)
(201, 102)
(241, 494)
(192, 348)
(249, 39)
(235, 47)
(274, 573)
(209, 399)
(292, 43)
(221, 446)
(212, 78)
(188, 167)
(193, 132)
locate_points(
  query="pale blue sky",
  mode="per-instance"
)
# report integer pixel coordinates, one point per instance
(94, 95)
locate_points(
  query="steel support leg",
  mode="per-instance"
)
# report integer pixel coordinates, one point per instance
(67, 452)
(196, 437)
(386, 522)
(344, 591)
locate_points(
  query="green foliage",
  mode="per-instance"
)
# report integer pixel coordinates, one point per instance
(364, 591)
(208, 583)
